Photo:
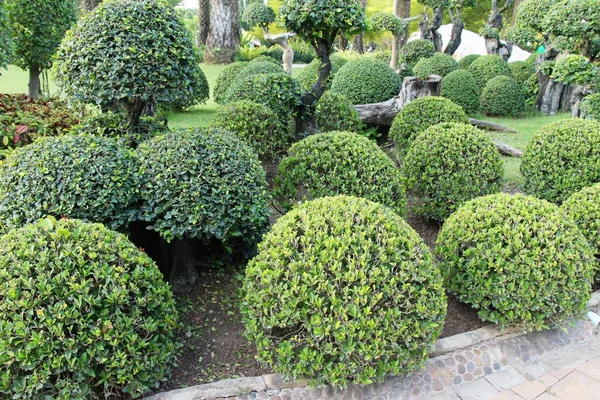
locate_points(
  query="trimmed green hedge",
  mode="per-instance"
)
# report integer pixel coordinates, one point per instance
(257, 68)
(521, 71)
(412, 52)
(336, 113)
(226, 78)
(590, 106)
(502, 96)
(461, 88)
(466, 61)
(440, 64)
(308, 76)
(486, 67)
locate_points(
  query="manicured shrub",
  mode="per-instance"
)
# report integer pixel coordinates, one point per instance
(521, 71)
(84, 177)
(219, 185)
(226, 78)
(386, 22)
(466, 61)
(448, 165)
(368, 288)
(6, 50)
(561, 159)
(258, 14)
(461, 88)
(84, 314)
(487, 67)
(439, 64)
(308, 76)
(502, 96)
(336, 163)
(412, 52)
(256, 124)
(590, 106)
(531, 89)
(366, 80)
(575, 70)
(421, 114)
(517, 259)
(264, 67)
(335, 113)
(261, 59)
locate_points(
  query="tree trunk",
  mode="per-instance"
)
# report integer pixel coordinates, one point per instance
(203, 21)
(34, 81)
(183, 275)
(358, 43)
(493, 26)
(455, 36)
(343, 42)
(89, 5)
(401, 9)
(516, 5)
(288, 53)
(430, 32)
(135, 110)
(223, 38)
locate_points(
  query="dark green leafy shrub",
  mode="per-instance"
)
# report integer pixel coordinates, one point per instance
(261, 59)
(368, 288)
(439, 64)
(257, 68)
(336, 113)
(256, 124)
(308, 76)
(6, 42)
(461, 88)
(561, 159)
(487, 67)
(531, 89)
(336, 163)
(517, 259)
(205, 184)
(83, 177)
(366, 80)
(466, 61)
(226, 78)
(521, 71)
(502, 95)
(84, 314)
(258, 14)
(412, 52)
(575, 70)
(590, 106)
(547, 67)
(386, 22)
(450, 164)
(421, 114)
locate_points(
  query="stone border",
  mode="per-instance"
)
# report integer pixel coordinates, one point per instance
(468, 345)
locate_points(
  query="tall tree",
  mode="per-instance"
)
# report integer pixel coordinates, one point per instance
(384, 22)
(203, 21)
(223, 40)
(359, 40)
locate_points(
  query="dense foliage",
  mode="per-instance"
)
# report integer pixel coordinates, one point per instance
(412, 52)
(501, 96)
(226, 79)
(521, 71)
(466, 61)
(590, 106)
(308, 76)
(258, 14)
(6, 41)
(528, 28)
(386, 22)
(517, 259)
(575, 70)
(440, 64)
(487, 67)
(84, 314)
(561, 159)
(257, 68)
(369, 288)
(335, 113)
(366, 80)
(461, 88)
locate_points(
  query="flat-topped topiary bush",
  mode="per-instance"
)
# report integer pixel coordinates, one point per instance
(461, 88)
(486, 67)
(440, 64)
(502, 96)
(369, 288)
(84, 313)
(263, 67)
(336, 113)
(449, 164)
(561, 159)
(421, 114)
(308, 76)
(517, 259)
(226, 78)
(261, 59)
(466, 61)
(335, 163)
(412, 52)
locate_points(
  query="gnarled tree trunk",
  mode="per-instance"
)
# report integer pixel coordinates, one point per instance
(456, 34)
(203, 21)
(183, 275)
(429, 29)
(358, 42)
(288, 53)
(223, 38)
(34, 81)
(401, 9)
(493, 26)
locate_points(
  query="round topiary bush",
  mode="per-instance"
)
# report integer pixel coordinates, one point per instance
(502, 96)
(461, 88)
(335, 113)
(258, 14)
(487, 67)
(336, 163)
(448, 165)
(368, 287)
(83, 177)
(366, 80)
(517, 259)
(521, 71)
(421, 114)
(257, 68)
(226, 78)
(561, 159)
(386, 22)
(261, 59)
(439, 64)
(466, 61)
(412, 52)
(590, 106)
(308, 76)
(256, 124)
(85, 314)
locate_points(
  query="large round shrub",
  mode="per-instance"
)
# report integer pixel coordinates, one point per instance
(502, 96)
(226, 78)
(368, 288)
(261, 59)
(256, 124)
(521, 71)
(487, 67)
(421, 114)
(561, 159)
(84, 314)
(412, 52)
(449, 164)
(466, 61)
(205, 184)
(590, 106)
(263, 67)
(440, 64)
(336, 163)
(461, 88)
(517, 259)
(335, 113)
(308, 76)
(80, 176)
(366, 80)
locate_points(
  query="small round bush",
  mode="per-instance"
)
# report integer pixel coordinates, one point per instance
(368, 287)
(487, 67)
(518, 260)
(366, 80)
(521, 71)
(461, 88)
(412, 52)
(561, 159)
(204, 184)
(308, 76)
(226, 78)
(439, 64)
(386, 22)
(449, 164)
(261, 59)
(256, 124)
(263, 67)
(421, 114)
(258, 14)
(466, 61)
(84, 314)
(590, 106)
(335, 113)
(502, 96)
(335, 163)
(80, 176)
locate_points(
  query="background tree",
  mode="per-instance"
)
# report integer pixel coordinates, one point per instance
(6, 43)
(203, 21)
(432, 21)
(528, 27)
(455, 8)
(359, 40)
(223, 38)
(493, 27)
(384, 22)
(89, 5)
(38, 26)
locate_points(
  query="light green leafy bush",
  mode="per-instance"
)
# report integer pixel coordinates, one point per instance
(258, 14)
(531, 89)
(386, 22)
(226, 78)
(412, 52)
(466, 61)
(256, 68)
(521, 71)
(590, 106)
(487, 67)
(575, 70)
(308, 76)
(440, 64)
(502, 95)
(461, 88)
(336, 113)
(261, 59)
